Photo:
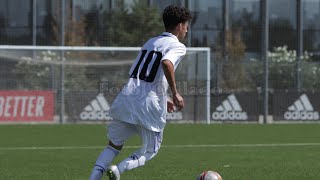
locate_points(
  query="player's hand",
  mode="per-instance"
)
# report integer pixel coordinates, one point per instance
(178, 101)
(170, 106)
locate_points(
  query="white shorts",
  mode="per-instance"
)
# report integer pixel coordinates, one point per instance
(119, 132)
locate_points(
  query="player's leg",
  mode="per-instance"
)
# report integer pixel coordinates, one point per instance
(118, 132)
(104, 160)
(151, 145)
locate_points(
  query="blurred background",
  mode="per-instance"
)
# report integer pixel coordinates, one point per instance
(264, 58)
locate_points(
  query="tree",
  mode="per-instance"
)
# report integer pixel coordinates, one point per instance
(134, 27)
(231, 59)
(37, 73)
(282, 70)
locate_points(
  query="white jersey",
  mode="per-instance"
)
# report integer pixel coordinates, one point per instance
(143, 100)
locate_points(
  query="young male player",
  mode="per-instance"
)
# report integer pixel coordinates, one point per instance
(141, 107)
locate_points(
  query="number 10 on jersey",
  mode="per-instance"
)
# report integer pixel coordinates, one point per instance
(145, 66)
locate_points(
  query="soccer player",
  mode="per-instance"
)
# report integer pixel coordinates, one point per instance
(141, 106)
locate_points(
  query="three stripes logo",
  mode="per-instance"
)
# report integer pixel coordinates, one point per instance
(301, 109)
(98, 109)
(230, 109)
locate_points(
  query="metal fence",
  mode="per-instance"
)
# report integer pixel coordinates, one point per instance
(78, 84)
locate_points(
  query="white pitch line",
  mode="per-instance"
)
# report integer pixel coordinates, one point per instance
(163, 146)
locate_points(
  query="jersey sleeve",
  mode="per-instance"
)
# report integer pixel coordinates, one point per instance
(175, 53)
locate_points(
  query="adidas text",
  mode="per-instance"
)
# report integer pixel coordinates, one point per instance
(93, 115)
(174, 115)
(229, 115)
(301, 115)
(301, 109)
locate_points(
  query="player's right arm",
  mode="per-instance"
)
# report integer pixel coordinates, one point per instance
(168, 69)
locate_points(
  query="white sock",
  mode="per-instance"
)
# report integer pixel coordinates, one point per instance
(103, 161)
(134, 161)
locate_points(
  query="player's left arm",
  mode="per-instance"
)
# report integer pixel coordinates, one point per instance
(168, 69)
(171, 58)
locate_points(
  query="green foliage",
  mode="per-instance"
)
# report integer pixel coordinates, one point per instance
(283, 55)
(132, 27)
(310, 75)
(43, 72)
(232, 61)
(283, 69)
(34, 74)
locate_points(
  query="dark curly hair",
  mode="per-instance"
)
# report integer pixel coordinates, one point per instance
(173, 15)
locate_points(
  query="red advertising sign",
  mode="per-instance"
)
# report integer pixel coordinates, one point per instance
(26, 106)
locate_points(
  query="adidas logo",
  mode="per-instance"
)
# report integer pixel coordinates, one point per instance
(230, 109)
(98, 109)
(301, 110)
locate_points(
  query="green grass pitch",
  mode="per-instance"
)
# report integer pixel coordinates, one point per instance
(236, 151)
